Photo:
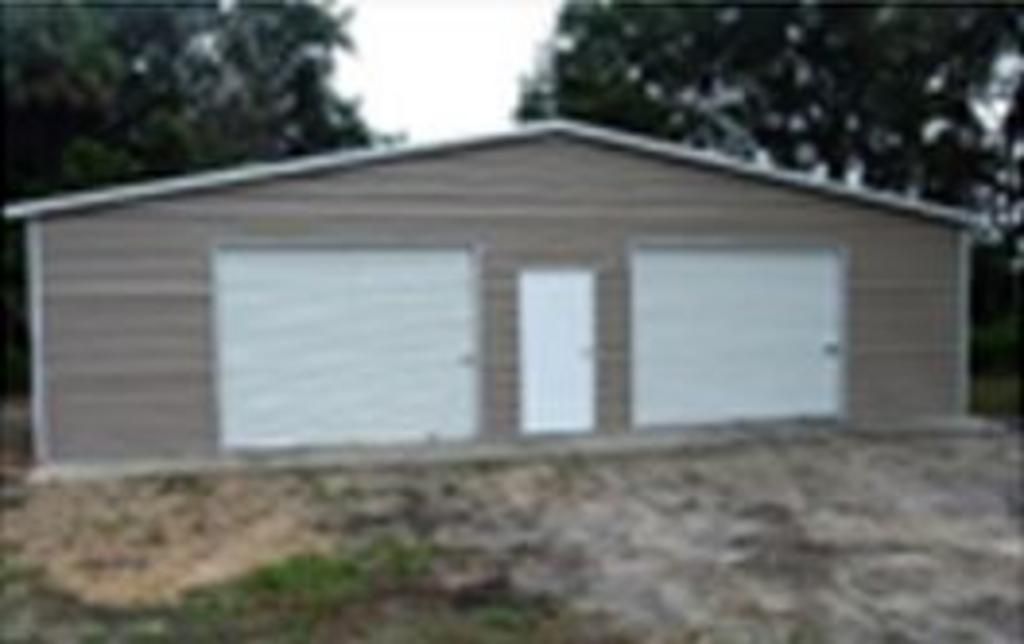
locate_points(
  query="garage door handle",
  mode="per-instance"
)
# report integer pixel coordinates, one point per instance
(467, 360)
(831, 348)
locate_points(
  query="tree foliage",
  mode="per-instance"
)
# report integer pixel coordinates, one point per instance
(95, 94)
(110, 92)
(881, 93)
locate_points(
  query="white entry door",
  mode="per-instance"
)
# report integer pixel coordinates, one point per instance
(556, 350)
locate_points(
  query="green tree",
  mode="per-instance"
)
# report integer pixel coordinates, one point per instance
(115, 92)
(108, 92)
(882, 92)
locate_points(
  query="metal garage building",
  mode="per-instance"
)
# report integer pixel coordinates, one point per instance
(557, 278)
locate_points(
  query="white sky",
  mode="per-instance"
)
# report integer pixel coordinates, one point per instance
(435, 69)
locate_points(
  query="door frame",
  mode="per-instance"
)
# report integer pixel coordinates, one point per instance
(836, 248)
(311, 241)
(594, 271)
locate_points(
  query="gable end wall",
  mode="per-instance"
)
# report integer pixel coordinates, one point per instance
(126, 291)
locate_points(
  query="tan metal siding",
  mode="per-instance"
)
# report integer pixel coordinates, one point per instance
(128, 325)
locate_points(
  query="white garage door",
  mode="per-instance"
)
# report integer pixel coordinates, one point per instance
(723, 333)
(328, 346)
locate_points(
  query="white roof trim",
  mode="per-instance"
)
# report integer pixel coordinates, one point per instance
(353, 158)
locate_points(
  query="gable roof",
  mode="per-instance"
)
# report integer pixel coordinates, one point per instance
(89, 199)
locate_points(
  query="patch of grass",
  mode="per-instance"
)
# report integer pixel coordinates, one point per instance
(995, 346)
(995, 385)
(507, 617)
(317, 581)
(12, 572)
(307, 581)
(382, 593)
(995, 394)
(292, 597)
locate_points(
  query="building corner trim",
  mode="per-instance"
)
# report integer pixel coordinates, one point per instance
(34, 266)
(963, 394)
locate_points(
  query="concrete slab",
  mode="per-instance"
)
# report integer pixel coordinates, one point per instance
(521, 449)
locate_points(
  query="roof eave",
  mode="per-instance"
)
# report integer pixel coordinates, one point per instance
(85, 200)
(252, 172)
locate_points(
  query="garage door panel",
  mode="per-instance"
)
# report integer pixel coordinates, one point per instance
(722, 334)
(330, 346)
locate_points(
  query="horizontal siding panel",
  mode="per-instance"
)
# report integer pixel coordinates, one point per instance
(512, 225)
(108, 371)
(95, 316)
(903, 263)
(137, 251)
(907, 287)
(137, 354)
(133, 232)
(293, 213)
(85, 288)
(873, 336)
(912, 352)
(81, 273)
(148, 391)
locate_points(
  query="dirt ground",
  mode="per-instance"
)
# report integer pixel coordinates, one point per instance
(912, 538)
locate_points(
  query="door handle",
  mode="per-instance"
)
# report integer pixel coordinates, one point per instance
(831, 348)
